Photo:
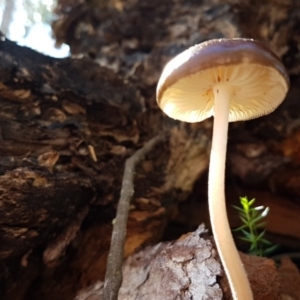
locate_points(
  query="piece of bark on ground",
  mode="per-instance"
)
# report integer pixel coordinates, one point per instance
(186, 268)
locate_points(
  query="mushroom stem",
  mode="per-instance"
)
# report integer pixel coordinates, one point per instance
(228, 253)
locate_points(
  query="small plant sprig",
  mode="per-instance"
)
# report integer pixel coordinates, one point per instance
(252, 227)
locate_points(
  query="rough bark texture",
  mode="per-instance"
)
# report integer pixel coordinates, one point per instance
(186, 269)
(68, 126)
(182, 270)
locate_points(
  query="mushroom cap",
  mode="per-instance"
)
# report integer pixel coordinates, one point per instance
(257, 80)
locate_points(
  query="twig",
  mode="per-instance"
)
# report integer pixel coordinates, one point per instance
(113, 276)
(92, 153)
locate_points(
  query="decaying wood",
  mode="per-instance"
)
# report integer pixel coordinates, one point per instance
(68, 126)
(186, 269)
(53, 111)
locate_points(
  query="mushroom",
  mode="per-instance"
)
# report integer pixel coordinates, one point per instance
(232, 80)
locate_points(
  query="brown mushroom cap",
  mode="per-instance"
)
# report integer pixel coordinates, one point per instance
(257, 79)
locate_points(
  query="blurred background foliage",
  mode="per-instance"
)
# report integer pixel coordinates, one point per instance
(28, 22)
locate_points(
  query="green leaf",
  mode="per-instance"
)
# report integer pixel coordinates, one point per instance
(258, 238)
(248, 235)
(245, 220)
(261, 225)
(240, 228)
(245, 239)
(271, 249)
(266, 242)
(238, 208)
(255, 220)
(251, 202)
(253, 247)
(241, 210)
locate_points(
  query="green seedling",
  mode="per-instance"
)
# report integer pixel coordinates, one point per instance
(252, 228)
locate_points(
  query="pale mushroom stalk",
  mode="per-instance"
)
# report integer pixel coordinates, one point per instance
(228, 253)
(232, 80)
